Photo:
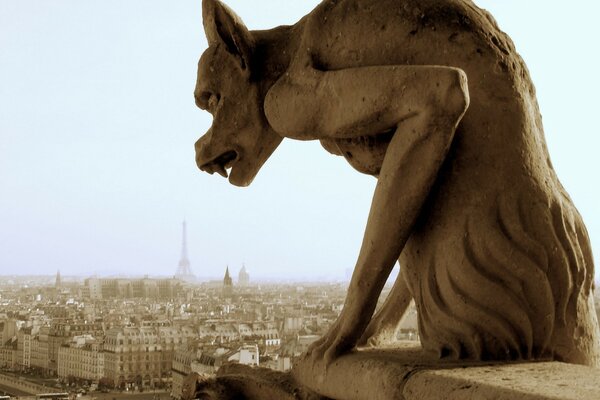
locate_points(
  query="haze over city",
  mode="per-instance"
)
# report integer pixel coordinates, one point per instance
(98, 122)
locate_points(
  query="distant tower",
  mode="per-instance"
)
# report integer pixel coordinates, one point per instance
(243, 277)
(227, 283)
(184, 272)
(57, 282)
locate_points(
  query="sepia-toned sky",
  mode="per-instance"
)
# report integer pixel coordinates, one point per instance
(98, 122)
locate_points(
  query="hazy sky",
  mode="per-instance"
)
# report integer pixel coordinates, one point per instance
(98, 122)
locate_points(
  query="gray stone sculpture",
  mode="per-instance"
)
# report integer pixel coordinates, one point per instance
(430, 97)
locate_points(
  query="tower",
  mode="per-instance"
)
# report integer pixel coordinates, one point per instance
(243, 276)
(227, 284)
(58, 281)
(184, 272)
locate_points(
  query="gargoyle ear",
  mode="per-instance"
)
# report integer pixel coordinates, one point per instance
(223, 26)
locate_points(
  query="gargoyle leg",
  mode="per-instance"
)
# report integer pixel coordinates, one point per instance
(383, 328)
(410, 167)
(425, 104)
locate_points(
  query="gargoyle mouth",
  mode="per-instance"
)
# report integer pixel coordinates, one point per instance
(220, 164)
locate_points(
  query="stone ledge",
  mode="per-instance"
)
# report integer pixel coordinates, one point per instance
(527, 381)
(402, 374)
(408, 373)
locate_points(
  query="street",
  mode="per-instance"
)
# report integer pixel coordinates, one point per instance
(127, 396)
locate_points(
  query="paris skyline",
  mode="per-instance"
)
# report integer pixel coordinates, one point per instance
(98, 122)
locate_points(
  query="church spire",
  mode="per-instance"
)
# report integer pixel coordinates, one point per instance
(227, 284)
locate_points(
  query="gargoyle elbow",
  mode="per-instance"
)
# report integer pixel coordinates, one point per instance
(457, 97)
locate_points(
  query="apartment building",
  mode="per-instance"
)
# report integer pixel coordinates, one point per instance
(133, 355)
(24, 348)
(61, 331)
(39, 349)
(9, 355)
(81, 357)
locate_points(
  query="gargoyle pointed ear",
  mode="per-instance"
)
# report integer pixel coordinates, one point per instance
(223, 26)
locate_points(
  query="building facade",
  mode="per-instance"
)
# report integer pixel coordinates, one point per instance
(82, 358)
(135, 356)
(145, 288)
(61, 331)
(24, 348)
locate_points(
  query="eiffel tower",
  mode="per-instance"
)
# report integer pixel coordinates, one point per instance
(184, 272)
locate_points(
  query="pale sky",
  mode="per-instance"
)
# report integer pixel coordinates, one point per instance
(98, 122)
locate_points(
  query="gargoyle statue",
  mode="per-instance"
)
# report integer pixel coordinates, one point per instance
(431, 98)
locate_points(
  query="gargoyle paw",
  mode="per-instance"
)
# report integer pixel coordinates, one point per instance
(327, 349)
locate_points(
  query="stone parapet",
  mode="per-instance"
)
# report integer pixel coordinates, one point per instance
(406, 374)
(527, 381)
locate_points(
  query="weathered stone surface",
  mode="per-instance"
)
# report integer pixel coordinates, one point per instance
(531, 381)
(406, 374)
(430, 97)
(369, 374)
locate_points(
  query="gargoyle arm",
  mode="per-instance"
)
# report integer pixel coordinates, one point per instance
(309, 104)
(425, 105)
